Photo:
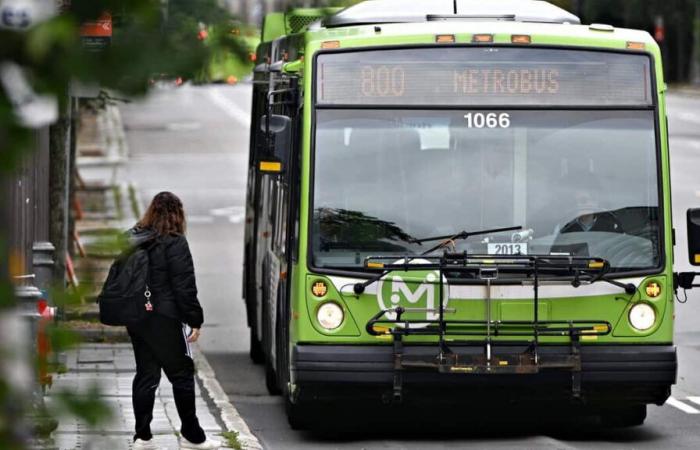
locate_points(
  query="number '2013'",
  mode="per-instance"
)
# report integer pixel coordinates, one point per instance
(487, 120)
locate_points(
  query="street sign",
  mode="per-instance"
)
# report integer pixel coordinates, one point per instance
(97, 35)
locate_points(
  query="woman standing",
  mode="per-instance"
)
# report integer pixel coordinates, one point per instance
(162, 340)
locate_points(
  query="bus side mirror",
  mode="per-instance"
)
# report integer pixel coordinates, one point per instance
(693, 221)
(277, 131)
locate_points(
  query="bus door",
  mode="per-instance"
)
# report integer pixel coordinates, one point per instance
(277, 210)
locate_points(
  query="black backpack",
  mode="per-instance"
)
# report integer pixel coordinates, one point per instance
(126, 298)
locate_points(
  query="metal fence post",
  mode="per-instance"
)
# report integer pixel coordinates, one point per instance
(43, 262)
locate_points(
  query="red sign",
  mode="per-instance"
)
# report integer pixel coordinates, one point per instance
(102, 27)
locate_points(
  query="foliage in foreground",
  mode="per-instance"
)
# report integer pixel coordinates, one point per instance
(149, 40)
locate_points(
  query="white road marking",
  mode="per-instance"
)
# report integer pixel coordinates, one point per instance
(682, 140)
(682, 406)
(689, 117)
(234, 214)
(229, 107)
(695, 400)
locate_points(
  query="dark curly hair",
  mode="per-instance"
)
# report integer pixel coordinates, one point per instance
(165, 215)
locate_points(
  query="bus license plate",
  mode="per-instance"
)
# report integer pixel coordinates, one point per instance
(507, 249)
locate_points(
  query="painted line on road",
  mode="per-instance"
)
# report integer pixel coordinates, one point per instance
(229, 107)
(695, 400)
(234, 214)
(229, 414)
(688, 117)
(682, 406)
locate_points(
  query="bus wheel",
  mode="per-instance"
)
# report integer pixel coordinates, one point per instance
(297, 416)
(256, 352)
(271, 379)
(629, 416)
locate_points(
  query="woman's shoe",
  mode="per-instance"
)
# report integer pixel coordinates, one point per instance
(209, 444)
(140, 444)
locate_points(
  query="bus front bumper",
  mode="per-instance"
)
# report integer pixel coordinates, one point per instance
(639, 374)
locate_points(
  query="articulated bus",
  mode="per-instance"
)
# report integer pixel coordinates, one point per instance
(465, 195)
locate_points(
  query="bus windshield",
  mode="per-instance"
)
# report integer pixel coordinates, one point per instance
(579, 182)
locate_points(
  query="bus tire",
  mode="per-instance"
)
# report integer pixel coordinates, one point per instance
(256, 351)
(271, 383)
(629, 416)
(297, 416)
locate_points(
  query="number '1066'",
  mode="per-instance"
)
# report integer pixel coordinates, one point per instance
(487, 120)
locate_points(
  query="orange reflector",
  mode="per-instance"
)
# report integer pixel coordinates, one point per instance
(482, 38)
(600, 328)
(270, 166)
(596, 265)
(636, 45)
(319, 289)
(375, 265)
(653, 289)
(445, 38)
(697, 259)
(380, 329)
(520, 39)
(330, 44)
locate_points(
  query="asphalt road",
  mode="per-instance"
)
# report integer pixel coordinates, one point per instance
(194, 141)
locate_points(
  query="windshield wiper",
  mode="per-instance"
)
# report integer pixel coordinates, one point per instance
(359, 288)
(630, 288)
(460, 236)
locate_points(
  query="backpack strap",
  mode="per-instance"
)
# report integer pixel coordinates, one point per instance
(147, 247)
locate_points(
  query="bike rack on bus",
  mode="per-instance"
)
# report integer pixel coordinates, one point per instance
(577, 270)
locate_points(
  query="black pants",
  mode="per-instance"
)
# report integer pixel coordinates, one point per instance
(160, 343)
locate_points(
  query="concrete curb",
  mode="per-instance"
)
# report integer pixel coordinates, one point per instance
(229, 414)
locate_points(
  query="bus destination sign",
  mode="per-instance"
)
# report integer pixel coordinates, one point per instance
(471, 76)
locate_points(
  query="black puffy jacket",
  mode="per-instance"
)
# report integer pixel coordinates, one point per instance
(172, 280)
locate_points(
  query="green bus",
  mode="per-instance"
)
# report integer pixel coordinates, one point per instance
(459, 199)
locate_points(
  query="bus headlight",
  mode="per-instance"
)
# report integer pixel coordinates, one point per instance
(642, 316)
(330, 315)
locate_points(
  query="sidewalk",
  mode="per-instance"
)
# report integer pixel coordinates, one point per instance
(104, 363)
(110, 367)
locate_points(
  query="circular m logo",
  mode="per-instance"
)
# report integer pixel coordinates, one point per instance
(417, 290)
